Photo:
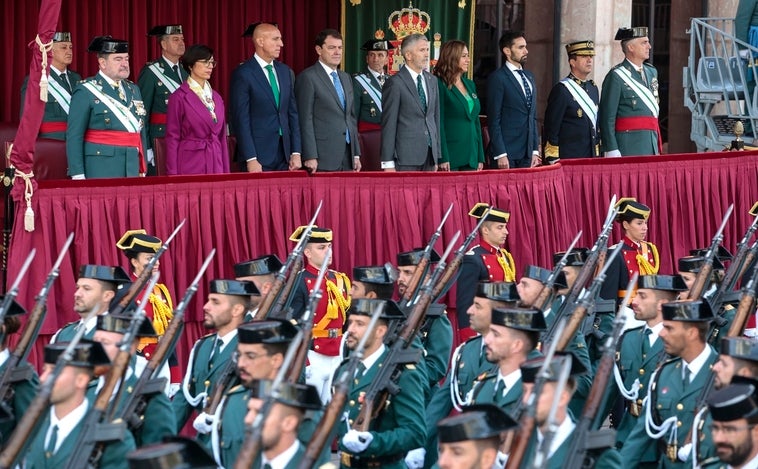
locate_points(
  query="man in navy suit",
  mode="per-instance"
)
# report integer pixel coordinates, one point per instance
(263, 109)
(512, 108)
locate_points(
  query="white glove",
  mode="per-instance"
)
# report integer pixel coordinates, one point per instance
(173, 388)
(612, 154)
(415, 458)
(684, 452)
(78, 177)
(356, 441)
(500, 460)
(204, 423)
(150, 156)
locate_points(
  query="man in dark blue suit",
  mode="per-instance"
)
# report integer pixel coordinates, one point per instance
(512, 108)
(263, 109)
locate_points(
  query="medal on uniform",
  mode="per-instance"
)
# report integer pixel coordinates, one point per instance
(372, 111)
(634, 409)
(654, 86)
(139, 108)
(579, 113)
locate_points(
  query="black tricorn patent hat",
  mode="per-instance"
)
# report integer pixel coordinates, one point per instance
(624, 34)
(576, 258)
(264, 265)
(541, 275)
(165, 30)
(530, 368)
(739, 347)
(662, 282)
(233, 287)
(693, 264)
(687, 311)
(86, 354)
(106, 273)
(367, 307)
(269, 331)
(733, 402)
(498, 291)
(476, 422)
(521, 318)
(722, 254)
(176, 452)
(302, 396)
(375, 274)
(120, 323)
(413, 257)
(108, 45)
(14, 309)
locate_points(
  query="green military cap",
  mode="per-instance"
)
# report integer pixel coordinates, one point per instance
(496, 214)
(687, 311)
(301, 396)
(264, 265)
(377, 44)
(740, 347)
(367, 307)
(269, 331)
(541, 275)
(498, 291)
(135, 241)
(14, 309)
(413, 257)
(108, 45)
(629, 209)
(106, 273)
(733, 402)
(165, 30)
(580, 48)
(625, 34)
(530, 368)
(475, 422)
(86, 354)
(722, 254)
(318, 235)
(176, 452)
(521, 318)
(694, 263)
(377, 274)
(576, 258)
(120, 323)
(233, 287)
(662, 282)
(61, 36)
(251, 27)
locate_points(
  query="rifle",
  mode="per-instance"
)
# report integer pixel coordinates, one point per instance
(587, 270)
(705, 270)
(543, 300)
(13, 292)
(746, 306)
(251, 447)
(741, 260)
(400, 354)
(527, 414)
(96, 428)
(136, 287)
(540, 457)
(148, 384)
(578, 310)
(13, 373)
(296, 255)
(342, 389)
(28, 426)
(583, 438)
(423, 266)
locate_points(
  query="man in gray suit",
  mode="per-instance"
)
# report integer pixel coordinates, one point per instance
(411, 114)
(328, 127)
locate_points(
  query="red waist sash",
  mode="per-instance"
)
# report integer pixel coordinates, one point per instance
(118, 138)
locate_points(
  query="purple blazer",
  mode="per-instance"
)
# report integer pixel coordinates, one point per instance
(194, 143)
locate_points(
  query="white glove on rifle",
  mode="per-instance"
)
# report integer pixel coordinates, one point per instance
(415, 458)
(356, 441)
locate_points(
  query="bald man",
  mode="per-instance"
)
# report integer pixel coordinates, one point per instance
(263, 109)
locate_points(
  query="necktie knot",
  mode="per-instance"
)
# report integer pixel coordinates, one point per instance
(175, 68)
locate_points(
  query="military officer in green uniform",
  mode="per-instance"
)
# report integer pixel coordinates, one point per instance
(368, 84)
(24, 385)
(734, 410)
(96, 287)
(639, 351)
(262, 272)
(175, 452)
(106, 136)
(157, 417)
(158, 79)
(571, 124)
(469, 360)
(558, 453)
(472, 438)
(629, 100)
(667, 415)
(228, 301)
(399, 427)
(54, 441)
(60, 84)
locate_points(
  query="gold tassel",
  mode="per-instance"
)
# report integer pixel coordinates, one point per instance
(44, 49)
(28, 192)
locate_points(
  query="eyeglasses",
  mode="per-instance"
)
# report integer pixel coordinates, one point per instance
(250, 356)
(729, 430)
(208, 63)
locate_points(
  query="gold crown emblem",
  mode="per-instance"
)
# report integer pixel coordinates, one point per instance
(379, 34)
(409, 21)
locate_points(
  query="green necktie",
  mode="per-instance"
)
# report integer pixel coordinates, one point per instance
(421, 93)
(686, 376)
(274, 85)
(50, 448)
(646, 341)
(216, 352)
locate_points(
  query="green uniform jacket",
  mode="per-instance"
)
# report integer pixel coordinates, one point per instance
(437, 340)
(158, 419)
(484, 392)
(67, 332)
(669, 398)
(155, 94)
(293, 463)
(746, 16)
(114, 454)
(54, 112)
(632, 364)
(96, 160)
(400, 426)
(23, 394)
(618, 99)
(460, 130)
(366, 107)
(606, 459)
(201, 370)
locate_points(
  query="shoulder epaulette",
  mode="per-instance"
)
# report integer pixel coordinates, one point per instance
(236, 389)
(471, 339)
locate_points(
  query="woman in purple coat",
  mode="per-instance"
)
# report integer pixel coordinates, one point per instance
(196, 124)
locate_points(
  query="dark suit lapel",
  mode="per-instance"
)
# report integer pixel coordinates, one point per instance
(516, 82)
(405, 76)
(262, 80)
(326, 79)
(372, 80)
(283, 75)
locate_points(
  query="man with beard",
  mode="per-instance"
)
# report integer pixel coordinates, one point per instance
(262, 272)
(738, 356)
(734, 429)
(512, 108)
(639, 351)
(486, 262)
(96, 287)
(675, 388)
(228, 300)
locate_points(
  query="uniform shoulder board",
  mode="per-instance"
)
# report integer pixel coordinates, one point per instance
(471, 339)
(69, 324)
(410, 366)
(485, 376)
(236, 389)
(633, 329)
(647, 65)
(728, 307)
(471, 252)
(205, 337)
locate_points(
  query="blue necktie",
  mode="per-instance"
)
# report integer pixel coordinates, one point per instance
(341, 94)
(527, 89)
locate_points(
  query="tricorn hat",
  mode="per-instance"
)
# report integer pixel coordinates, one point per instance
(302, 396)
(475, 422)
(377, 44)
(14, 309)
(120, 323)
(108, 45)
(576, 258)
(541, 275)
(269, 331)
(86, 354)
(134, 241)
(687, 311)
(233, 287)
(694, 263)
(734, 402)
(530, 368)
(264, 265)
(318, 235)
(165, 29)
(521, 318)
(629, 209)
(106, 273)
(625, 34)
(413, 257)
(740, 347)
(662, 282)
(498, 291)
(496, 214)
(367, 307)
(375, 274)
(722, 254)
(175, 452)
(61, 36)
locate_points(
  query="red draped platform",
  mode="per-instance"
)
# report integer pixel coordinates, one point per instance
(373, 215)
